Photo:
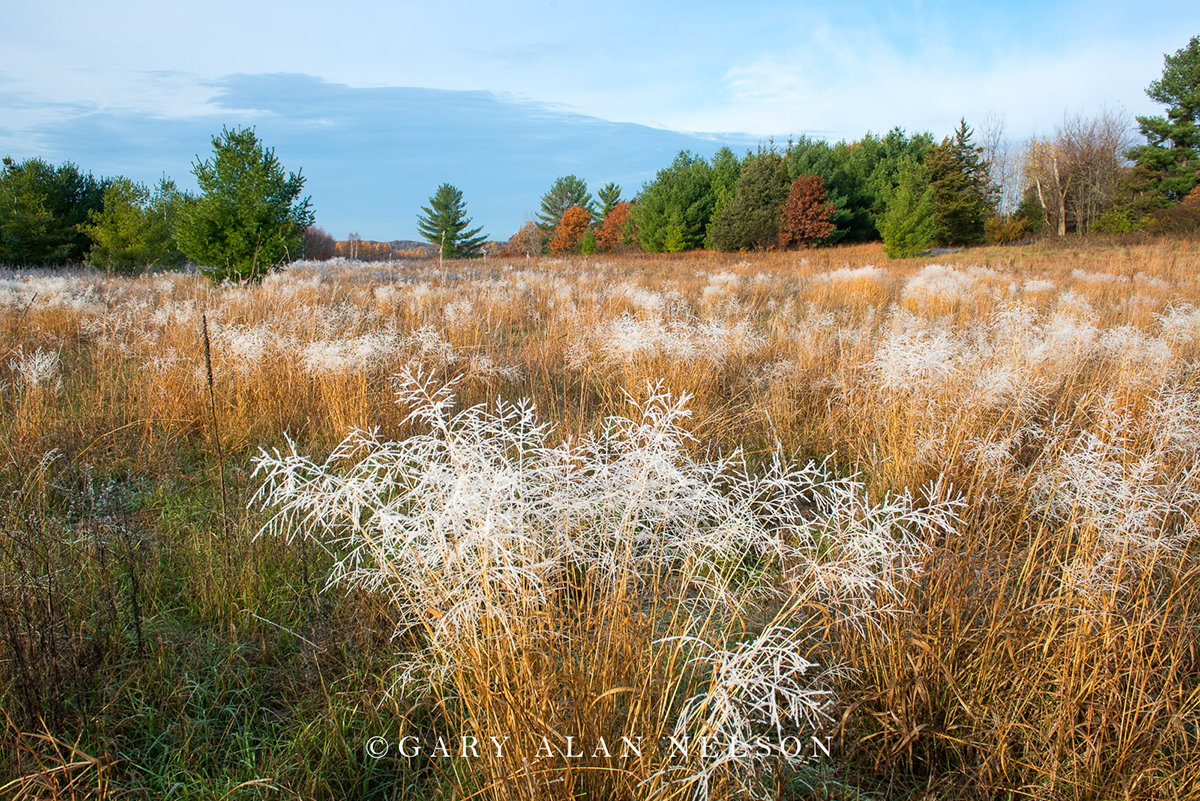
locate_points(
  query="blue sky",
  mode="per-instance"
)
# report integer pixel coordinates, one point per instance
(381, 102)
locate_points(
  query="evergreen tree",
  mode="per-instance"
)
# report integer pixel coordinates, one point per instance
(135, 229)
(679, 200)
(908, 223)
(898, 152)
(444, 222)
(962, 195)
(566, 192)
(726, 170)
(43, 211)
(249, 217)
(1166, 168)
(609, 196)
(751, 219)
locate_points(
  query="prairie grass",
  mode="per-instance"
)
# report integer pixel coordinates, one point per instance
(940, 514)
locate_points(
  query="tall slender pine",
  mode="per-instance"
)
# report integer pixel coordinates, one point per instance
(445, 223)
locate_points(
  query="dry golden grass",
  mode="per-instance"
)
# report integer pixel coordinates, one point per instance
(1047, 649)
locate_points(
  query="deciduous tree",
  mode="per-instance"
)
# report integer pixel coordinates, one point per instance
(571, 228)
(615, 230)
(1075, 172)
(806, 216)
(525, 242)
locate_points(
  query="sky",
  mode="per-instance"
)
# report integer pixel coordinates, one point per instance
(380, 102)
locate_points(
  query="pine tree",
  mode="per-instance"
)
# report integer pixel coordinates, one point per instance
(609, 196)
(566, 192)
(43, 210)
(1166, 169)
(135, 229)
(249, 217)
(958, 176)
(444, 222)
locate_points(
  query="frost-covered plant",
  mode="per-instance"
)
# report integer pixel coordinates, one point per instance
(1137, 490)
(37, 368)
(477, 523)
(762, 704)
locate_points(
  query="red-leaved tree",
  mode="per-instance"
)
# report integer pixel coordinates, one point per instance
(612, 232)
(806, 215)
(574, 224)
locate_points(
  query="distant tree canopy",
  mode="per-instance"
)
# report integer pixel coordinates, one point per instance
(444, 222)
(318, 244)
(43, 210)
(249, 217)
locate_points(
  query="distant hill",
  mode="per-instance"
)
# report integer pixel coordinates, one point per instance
(411, 244)
(371, 250)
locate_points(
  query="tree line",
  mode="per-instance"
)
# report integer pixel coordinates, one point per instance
(910, 191)
(247, 218)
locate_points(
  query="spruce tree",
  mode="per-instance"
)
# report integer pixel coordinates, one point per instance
(679, 201)
(908, 222)
(444, 222)
(958, 176)
(751, 219)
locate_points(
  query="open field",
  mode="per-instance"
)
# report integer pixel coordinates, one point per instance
(938, 517)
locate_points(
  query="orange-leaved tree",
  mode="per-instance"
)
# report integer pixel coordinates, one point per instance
(574, 224)
(612, 233)
(806, 214)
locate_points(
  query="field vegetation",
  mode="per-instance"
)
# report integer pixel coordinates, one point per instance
(910, 529)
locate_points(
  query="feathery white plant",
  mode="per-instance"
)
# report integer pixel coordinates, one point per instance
(478, 516)
(763, 702)
(37, 368)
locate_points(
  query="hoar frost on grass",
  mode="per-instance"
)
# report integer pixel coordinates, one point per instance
(481, 515)
(37, 368)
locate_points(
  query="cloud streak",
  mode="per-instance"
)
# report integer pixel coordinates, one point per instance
(371, 157)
